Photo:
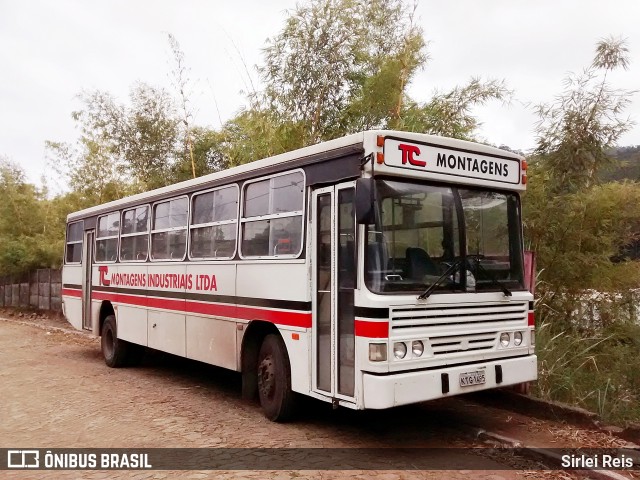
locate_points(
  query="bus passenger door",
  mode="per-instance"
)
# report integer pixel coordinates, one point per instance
(87, 268)
(334, 258)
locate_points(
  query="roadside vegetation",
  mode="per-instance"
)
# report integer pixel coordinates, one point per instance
(588, 293)
(323, 76)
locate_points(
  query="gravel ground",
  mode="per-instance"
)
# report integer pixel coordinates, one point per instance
(58, 393)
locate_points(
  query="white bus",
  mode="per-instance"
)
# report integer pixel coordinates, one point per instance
(378, 269)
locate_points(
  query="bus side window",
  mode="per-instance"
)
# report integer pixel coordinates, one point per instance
(272, 216)
(74, 242)
(107, 237)
(213, 227)
(134, 234)
(169, 229)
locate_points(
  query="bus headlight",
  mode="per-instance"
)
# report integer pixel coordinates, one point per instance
(417, 347)
(377, 352)
(399, 350)
(517, 338)
(505, 339)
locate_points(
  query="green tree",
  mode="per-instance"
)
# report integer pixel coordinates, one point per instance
(587, 322)
(329, 51)
(337, 67)
(342, 66)
(89, 171)
(141, 139)
(207, 153)
(27, 239)
(576, 132)
(254, 134)
(139, 145)
(182, 83)
(575, 225)
(450, 113)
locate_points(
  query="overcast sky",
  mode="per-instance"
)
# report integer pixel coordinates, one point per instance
(51, 50)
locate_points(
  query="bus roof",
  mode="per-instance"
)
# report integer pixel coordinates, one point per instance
(285, 160)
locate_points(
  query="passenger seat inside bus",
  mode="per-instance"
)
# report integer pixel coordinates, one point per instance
(419, 264)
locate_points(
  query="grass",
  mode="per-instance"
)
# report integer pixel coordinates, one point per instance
(593, 368)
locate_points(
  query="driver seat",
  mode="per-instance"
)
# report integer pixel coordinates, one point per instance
(419, 264)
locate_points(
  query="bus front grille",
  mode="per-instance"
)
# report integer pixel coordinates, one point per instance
(462, 343)
(486, 315)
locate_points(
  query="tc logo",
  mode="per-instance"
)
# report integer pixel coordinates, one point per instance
(103, 269)
(23, 459)
(408, 152)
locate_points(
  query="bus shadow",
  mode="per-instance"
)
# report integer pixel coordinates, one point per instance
(420, 425)
(184, 370)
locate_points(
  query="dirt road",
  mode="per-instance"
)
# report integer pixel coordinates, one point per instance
(57, 392)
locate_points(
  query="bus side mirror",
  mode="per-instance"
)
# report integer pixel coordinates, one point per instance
(364, 201)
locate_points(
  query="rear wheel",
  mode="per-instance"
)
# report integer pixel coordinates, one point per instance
(116, 352)
(274, 380)
(523, 388)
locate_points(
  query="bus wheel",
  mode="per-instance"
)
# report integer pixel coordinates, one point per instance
(523, 388)
(117, 353)
(274, 380)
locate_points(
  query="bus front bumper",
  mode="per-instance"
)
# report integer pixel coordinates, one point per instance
(394, 389)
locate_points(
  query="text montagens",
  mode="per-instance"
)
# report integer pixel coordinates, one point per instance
(471, 164)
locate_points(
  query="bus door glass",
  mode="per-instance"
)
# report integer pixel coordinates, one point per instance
(87, 267)
(334, 251)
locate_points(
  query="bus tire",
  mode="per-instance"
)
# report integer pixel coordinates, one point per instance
(116, 352)
(274, 380)
(523, 388)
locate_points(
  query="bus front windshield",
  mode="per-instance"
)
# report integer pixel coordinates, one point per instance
(421, 230)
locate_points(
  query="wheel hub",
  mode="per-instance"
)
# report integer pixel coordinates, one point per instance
(266, 377)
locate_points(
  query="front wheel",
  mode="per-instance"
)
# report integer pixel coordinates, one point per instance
(116, 352)
(523, 388)
(274, 380)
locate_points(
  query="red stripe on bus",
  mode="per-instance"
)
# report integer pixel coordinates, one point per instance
(136, 300)
(71, 292)
(363, 328)
(368, 329)
(293, 319)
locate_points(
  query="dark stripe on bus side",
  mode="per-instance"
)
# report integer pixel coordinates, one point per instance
(369, 312)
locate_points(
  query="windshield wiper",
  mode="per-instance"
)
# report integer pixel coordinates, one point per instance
(494, 280)
(448, 272)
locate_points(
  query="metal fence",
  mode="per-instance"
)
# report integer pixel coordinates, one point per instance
(41, 289)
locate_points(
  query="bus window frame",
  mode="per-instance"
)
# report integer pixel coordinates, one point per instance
(66, 243)
(294, 213)
(125, 235)
(117, 237)
(170, 229)
(214, 223)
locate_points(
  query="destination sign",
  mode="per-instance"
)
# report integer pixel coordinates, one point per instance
(438, 159)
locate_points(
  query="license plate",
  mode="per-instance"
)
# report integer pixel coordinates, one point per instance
(472, 378)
